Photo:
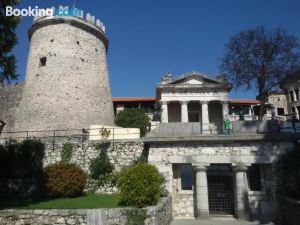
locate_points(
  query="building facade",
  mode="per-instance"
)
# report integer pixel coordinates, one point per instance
(211, 172)
(291, 86)
(194, 97)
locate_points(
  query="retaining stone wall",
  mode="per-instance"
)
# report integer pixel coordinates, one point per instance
(121, 153)
(160, 214)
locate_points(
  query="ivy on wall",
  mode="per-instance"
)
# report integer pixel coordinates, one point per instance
(66, 153)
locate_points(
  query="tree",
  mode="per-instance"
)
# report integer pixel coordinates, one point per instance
(8, 40)
(261, 58)
(133, 118)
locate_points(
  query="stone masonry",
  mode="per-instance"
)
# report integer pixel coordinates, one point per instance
(166, 155)
(121, 153)
(10, 96)
(160, 214)
(66, 84)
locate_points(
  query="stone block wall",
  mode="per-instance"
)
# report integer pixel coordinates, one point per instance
(10, 97)
(121, 153)
(166, 155)
(160, 214)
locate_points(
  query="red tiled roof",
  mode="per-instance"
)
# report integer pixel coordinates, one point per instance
(133, 99)
(244, 101)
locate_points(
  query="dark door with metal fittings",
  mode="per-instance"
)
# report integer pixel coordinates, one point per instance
(220, 195)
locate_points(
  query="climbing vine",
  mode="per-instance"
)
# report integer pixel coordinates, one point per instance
(66, 153)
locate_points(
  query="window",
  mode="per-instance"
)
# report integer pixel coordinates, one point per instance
(43, 61)
(254, 178)
(280, 111)
(291, 96)
(186, 172)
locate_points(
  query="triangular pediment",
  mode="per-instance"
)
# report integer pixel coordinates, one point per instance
(192, 78)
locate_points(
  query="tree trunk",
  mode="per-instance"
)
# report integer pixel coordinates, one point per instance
(2, 124)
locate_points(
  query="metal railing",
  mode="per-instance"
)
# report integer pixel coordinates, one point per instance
(72, 135)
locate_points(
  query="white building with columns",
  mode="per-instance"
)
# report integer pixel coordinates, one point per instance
(210, 173)
(194, 98)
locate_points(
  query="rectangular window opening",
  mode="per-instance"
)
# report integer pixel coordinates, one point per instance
(186, 172)
(254, 177)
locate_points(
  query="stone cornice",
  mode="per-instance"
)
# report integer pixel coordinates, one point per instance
(72, 21)
(223, 138)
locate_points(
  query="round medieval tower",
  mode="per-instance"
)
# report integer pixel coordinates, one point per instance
(67, 83)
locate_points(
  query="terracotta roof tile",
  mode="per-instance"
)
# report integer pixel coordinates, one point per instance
(133, 99)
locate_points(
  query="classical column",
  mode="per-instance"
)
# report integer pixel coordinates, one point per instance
(164, 113)
(241, 192)
(295, 97)
(184, 112)
(205, 118)
(201, 191)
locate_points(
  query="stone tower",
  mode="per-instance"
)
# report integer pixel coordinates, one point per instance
(67, 83)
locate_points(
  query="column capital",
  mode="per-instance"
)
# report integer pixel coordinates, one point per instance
(183, 102)
(164, 102)
(203, 102)
(200, 167)
(240, 167)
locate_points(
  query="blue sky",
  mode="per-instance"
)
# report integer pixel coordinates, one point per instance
(151, 37)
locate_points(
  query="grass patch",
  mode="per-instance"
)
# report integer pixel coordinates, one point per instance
(85, 202)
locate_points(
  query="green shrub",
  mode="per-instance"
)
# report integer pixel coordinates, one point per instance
(140, 185)
(136, 216)
(101, 166)
(64, 180)
(66, 153)
(288, 173)
(133, 118)
(22, 160)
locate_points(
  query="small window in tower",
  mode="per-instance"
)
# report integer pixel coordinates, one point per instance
(43, 61)
(78, 43)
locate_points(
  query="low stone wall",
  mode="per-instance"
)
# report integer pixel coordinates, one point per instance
(160, 214)
(121, 153)
(291, 212)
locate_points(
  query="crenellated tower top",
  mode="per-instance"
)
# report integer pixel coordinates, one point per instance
(64, 11)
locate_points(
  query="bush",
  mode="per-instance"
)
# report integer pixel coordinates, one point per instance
(133, 118)
(288, 172)
(64, 180)
(101, 166)
(66, 153)
(22, 160)
(140, 185)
